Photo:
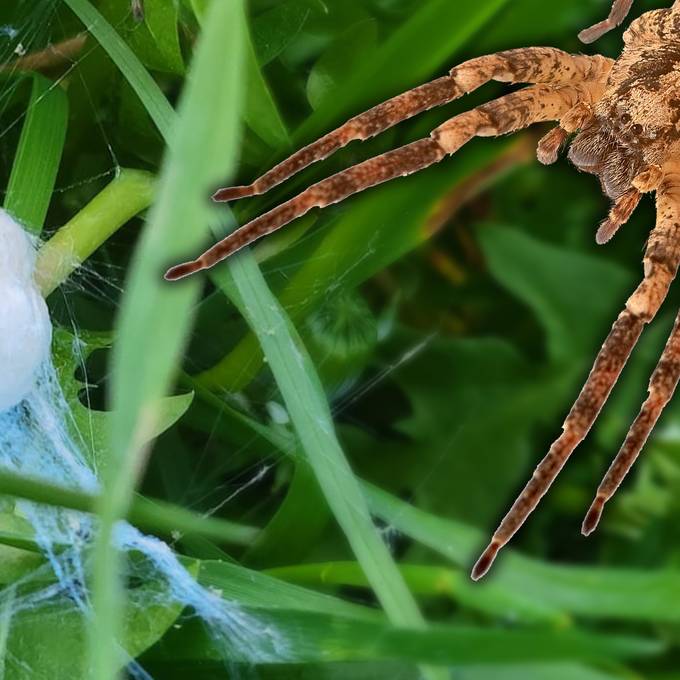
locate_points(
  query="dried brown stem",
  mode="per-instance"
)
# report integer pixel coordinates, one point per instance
(51, 57)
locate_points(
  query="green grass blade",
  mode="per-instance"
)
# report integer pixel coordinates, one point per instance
(155, 317)
(143, 84)
(300, 388)
(435, 31)
(316, 637)
(593, 593)
(39, 154)
(431, 582)
(258, 591)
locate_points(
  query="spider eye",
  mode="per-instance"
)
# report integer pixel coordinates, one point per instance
(625, 118)
(636, 129)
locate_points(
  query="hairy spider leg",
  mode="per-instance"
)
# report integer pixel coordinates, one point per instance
(661, 388)
(665, 378)
(661, 261)
(617, 15)
(517, 110)
(525, 65)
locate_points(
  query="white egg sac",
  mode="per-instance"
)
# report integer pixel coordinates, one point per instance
(25, 328)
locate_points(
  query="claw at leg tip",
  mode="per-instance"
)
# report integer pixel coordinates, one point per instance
(593, 516)
(486, 560)
(232, 193)
(181, 271)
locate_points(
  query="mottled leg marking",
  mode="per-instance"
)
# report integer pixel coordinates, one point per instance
(519, 109)
(661, 388)
(619, 11)
(401, 162)
(528, 65)
(535, 104)
(660, 264)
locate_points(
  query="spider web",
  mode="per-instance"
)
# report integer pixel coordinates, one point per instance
(36, 441)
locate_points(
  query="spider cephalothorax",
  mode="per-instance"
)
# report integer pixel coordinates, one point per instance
(625, 118)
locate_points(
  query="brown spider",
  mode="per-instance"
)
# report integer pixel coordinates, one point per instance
(626, 114)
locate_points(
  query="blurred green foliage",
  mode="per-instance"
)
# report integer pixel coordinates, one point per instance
(451, 316)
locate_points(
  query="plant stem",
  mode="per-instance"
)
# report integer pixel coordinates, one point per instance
(153, 515)
(127, 195)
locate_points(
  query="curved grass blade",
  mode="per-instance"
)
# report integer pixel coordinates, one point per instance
(125, 59)
(155, 318)
(317, 637)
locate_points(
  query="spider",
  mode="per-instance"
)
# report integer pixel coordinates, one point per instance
(625, 118)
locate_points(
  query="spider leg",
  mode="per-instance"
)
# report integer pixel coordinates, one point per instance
(662, 258)
(661, 388)
(514, 111)
(528, 65)
(619, 11)
(665, 378)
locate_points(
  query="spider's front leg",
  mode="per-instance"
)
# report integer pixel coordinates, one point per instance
(535, 104)
(619, 11)
(525, 65)
(661, 262)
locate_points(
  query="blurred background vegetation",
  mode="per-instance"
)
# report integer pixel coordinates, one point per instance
(451, 317)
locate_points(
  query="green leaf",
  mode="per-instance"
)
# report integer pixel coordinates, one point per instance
(537, 272)
(92, 427)
(430, 582)
(155, 318)
(494, 398)
(313, 638)
(260, 112)
(35, 652)
(277, 28)
(16, 562)
(145, 513)
(354, 47)
(313, 422)
(255, 590)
